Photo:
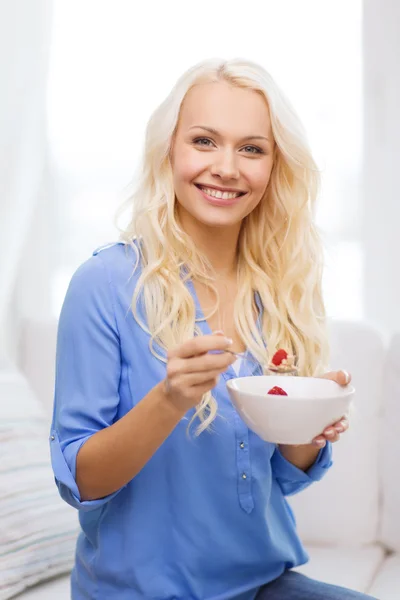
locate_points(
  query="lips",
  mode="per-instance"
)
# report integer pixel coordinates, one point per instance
(219, 194)
(221, 201)
(219, 189)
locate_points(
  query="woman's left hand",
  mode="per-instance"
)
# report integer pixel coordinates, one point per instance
(333, 432)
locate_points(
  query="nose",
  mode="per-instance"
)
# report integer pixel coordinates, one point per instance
(225, 165)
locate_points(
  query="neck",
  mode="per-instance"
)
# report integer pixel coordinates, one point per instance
(218, 244)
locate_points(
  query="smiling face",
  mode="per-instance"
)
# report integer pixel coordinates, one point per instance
(222, 154)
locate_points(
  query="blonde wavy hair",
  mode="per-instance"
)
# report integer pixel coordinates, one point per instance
(279, 249)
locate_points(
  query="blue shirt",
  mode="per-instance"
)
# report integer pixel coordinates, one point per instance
(206, 518)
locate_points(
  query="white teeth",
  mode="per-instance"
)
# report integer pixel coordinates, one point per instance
(219, 194)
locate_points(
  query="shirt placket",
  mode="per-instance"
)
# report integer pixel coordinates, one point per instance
(243, 454)
(243, 451)
(243, 465)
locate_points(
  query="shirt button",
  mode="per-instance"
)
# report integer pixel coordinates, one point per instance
(244, 476)
(242, 445)
(52, 438)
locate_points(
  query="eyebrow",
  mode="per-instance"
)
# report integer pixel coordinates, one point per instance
(215, 132)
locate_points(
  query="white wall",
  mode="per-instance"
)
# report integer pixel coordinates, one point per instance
(381, 165)
(27, 204)
(24, 43)
(101, 95)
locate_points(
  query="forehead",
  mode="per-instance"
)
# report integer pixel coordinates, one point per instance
(228, 109)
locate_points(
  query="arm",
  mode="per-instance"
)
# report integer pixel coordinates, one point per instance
(296, 467)
(114, 455)
(301, 457)
(293, 479)
(93, 454)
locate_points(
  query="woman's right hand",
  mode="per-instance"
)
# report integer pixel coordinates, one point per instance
(192, 370)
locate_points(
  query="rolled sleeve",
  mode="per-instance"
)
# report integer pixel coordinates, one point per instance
(292, 479)
(88, 370)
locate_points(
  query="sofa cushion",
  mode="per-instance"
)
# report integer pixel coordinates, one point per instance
(343, 508)
(348, 567)
(360, 348)
(55, 589)
(353, 568)
(390, 449)
(38, 530)
(37, 352)
(386, 585)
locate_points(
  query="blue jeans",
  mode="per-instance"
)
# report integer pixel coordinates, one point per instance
(295, 586)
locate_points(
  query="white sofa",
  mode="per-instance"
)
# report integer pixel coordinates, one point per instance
(349, 521)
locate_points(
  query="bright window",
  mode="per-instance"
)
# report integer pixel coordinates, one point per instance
(113, 62)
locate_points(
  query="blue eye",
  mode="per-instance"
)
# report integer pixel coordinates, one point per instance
(201, 141)
(207, 143)
(253, 149)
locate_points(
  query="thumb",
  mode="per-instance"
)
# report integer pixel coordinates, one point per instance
(341, 377)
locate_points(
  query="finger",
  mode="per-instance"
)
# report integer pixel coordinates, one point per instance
(341, 426)
(330, 432)
(189, 380)
(340, 377)
(206, 386)
(200, 345)
(328, 435)
(319, 441)
(206, 362)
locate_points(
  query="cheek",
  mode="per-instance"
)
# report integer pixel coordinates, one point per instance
(188, 164)
(259, 177)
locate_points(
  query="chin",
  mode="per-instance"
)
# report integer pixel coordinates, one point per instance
(211, 216)
(218, 223)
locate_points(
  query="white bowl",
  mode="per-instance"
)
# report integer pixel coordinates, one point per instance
(311, 405)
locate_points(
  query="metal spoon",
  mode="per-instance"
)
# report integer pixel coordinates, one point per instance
(293, 371)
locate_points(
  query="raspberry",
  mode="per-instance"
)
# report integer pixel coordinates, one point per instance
(277, 391)
(278, 357)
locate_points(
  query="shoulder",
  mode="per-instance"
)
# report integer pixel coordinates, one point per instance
(114, 262)
(112, 265)
(119, 257)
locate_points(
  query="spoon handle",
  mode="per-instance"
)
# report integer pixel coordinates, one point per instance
(244, 356)
(293, 371)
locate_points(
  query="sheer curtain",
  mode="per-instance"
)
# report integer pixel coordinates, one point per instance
(112, 63)
(25, 28)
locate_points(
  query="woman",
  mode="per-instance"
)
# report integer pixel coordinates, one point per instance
(177, 498)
